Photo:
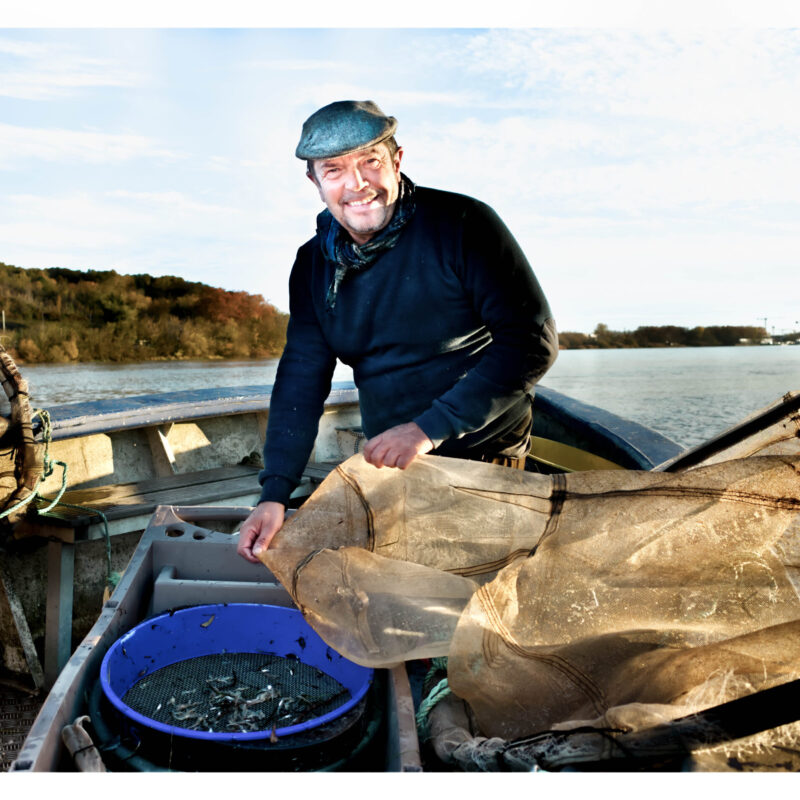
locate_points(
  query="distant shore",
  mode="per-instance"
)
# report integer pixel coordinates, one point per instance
(649, 336)
(252, 359)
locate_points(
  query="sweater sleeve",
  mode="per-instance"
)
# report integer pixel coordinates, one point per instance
(302, 383)
(508, 299)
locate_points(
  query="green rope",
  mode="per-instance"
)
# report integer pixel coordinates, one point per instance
(48, 464)
(21, 504)
(47, 467)
(440, 691)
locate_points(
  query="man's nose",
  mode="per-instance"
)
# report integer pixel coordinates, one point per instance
(355, 180)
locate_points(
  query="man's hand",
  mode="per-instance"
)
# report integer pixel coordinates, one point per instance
(258, 529)
(398, 446)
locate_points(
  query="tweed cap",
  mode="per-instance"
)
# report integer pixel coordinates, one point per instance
(344, 127)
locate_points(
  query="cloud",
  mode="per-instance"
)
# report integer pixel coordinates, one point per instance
(159, 233)
(20, 144)
(69, 226)
(177, 203)
(573, 168)
(46, 71)
(714, 75)
(631, 130)
(671, 277)
(296, 65)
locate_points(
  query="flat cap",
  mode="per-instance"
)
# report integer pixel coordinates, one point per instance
(344, 127)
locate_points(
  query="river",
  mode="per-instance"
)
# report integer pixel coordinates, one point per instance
(688, 394)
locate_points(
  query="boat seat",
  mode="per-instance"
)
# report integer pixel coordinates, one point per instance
(127, 508)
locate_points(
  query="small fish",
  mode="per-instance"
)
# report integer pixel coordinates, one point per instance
(268, 694)
(182, 716)
(187, 706)
(207, 622)
(222, 682)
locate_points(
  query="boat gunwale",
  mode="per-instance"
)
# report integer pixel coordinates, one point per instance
(624, 441)
(73, 420)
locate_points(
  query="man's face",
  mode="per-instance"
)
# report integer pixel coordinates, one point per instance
(360, 189)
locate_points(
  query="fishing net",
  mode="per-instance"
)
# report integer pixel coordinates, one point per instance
(614, 599)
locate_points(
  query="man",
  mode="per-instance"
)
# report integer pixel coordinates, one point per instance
(424, 293)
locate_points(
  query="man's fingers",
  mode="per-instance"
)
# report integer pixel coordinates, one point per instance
(247, 538)
(258, 530)
(386, 454)
(376, 450)
(263, 541)
(404, 460)
(397, 447)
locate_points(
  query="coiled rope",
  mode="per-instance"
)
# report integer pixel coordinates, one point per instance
(439, 692)
(48, 467)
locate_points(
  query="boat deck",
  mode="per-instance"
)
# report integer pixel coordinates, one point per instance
(18, 710)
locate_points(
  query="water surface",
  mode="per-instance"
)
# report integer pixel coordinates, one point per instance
(687, 394)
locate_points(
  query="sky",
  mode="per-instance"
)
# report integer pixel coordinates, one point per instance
(649, 168)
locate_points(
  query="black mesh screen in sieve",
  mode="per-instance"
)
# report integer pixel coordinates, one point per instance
(236, 693)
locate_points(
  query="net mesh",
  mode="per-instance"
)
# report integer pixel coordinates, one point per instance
(559, 600)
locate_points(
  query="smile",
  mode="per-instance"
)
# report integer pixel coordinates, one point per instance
(358, 203)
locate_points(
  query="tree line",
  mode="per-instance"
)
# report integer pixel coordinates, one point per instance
(663, 336)
(62, 315)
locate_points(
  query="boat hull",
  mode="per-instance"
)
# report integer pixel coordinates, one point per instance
(179, 563)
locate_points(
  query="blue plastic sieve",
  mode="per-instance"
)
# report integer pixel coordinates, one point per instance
(225, 628)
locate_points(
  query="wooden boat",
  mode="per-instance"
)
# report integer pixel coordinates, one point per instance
(173, 463)
(177, 564)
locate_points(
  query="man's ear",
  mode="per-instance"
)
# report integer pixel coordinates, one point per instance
(398, 157)
(313, 178)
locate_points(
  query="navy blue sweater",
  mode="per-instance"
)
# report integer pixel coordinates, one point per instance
(449, 329)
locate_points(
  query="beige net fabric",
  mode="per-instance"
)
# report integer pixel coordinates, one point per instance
(382, 562)
(659, 592)
(605, 597)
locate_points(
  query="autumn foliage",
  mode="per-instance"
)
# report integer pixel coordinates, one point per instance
(62, 315)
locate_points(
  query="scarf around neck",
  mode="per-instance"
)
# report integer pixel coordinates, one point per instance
(341, 250)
